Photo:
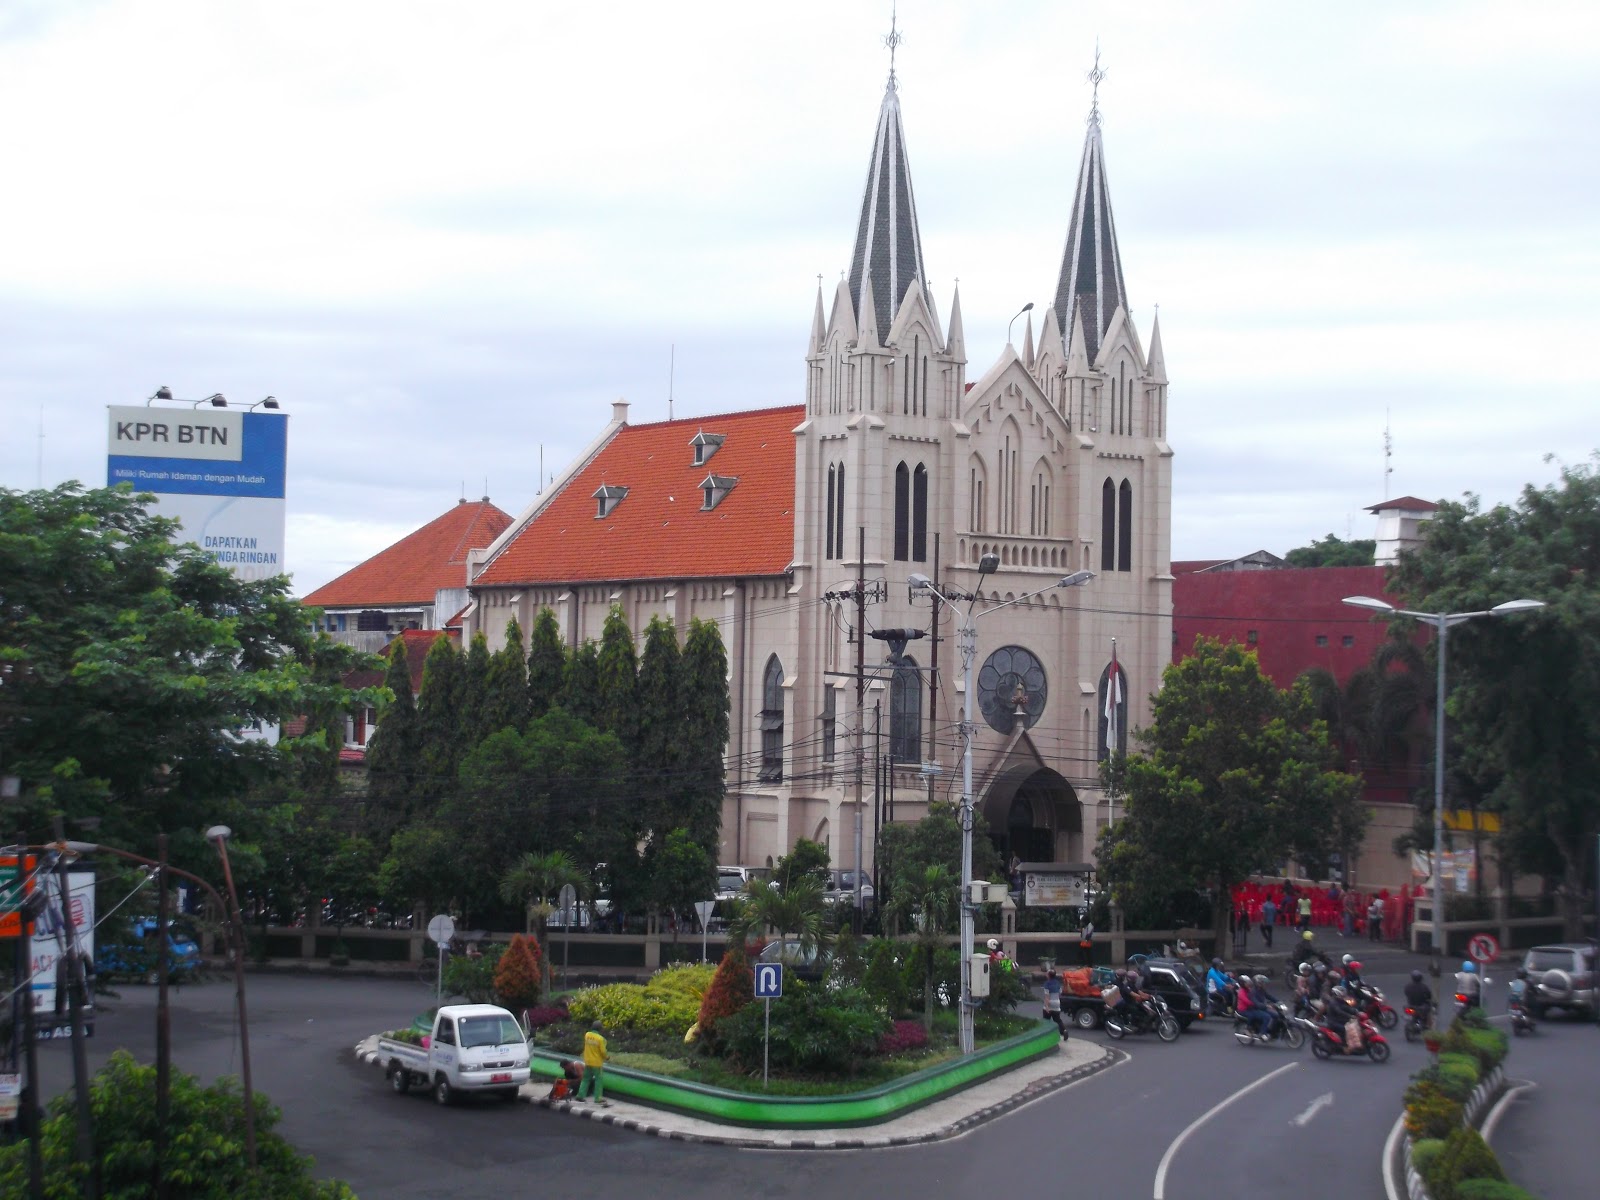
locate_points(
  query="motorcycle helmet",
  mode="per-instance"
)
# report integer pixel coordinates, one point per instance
(1416, 976)
(1346, 959)
(1306, 936)
(993, 945)
(1305, 968)
(1353, 965)
(1217, 963)
(1262, 981)
(1470, 968)
(1321, 968)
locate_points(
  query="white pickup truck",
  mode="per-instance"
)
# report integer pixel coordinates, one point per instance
(473, 1048)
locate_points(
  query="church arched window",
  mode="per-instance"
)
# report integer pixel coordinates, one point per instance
(905, 713)
(1108, 526)
(902, 512)
(1125, 527)
(772, 722)
(831, 543)
(919, 514)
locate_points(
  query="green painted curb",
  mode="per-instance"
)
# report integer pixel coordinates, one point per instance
(877, 1104)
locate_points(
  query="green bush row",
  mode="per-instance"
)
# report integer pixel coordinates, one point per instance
(668, 1003)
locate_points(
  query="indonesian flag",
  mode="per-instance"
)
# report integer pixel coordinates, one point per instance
(1113, 701)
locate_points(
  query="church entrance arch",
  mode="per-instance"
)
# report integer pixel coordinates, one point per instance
(1032, 814)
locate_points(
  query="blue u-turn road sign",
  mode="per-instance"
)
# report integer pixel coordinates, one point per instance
(769, 981)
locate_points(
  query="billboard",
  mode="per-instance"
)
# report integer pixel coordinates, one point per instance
(48, 944)
(220, 473)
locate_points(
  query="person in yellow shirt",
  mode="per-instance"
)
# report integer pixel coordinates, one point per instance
(594, 1066)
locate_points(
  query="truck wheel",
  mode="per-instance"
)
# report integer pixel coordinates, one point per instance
(400, 1080)
(1085, 1018)
(443, 1093)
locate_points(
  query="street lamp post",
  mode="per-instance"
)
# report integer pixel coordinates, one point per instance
(967, 642)
(1441, 623)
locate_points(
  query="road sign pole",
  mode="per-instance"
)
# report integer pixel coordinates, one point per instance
(766, 1043)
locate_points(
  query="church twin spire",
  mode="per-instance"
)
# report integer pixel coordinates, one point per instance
(888, 251)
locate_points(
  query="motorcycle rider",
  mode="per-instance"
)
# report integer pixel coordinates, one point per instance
(1129, 997)
(1306, 949)
(1220, 988)
(1419, 998)
(1302, 989)
(1517, 994)
(1251, 1008)
(1344, 1019)
(1470, 984)
(1353, 983)
(1266, 1001)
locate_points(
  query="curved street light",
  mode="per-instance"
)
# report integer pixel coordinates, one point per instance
(967, 641)
(1441, 623)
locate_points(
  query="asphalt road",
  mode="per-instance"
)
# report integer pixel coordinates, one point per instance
(1188, 1121)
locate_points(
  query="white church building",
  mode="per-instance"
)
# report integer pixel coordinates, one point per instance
(797, 530)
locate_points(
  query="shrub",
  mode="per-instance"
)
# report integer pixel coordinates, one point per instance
(813, 1030)
(205, 1142)
(730, 990)
(847, 965)
(1423, 1154)
(472, 977)
(883, 980)
(1465, 1156)
(412, 1037)
(545, 1015)
(1007, 989)
(518, 979)
(1430, 1112)
(1490, 1045)
(902, 1038)
(1457, 1075)
(669, 1003)
(1490, 1189)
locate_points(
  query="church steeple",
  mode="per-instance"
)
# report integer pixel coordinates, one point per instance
(888, 249)
(1091, 283)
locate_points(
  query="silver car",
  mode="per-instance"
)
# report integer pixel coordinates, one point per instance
(1565, 975)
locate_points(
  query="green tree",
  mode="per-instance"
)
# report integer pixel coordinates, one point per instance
(438, 710)
(681, 874)
(1524, 698)
(795, 913)
(580, 684)
(807, 858)
(907, 848)
(658, 756)
(1333, 552)
(505, 701)
(547, 664)
(926, 900)
(205, 1143)
(474, 695)
(131, 662)
(704, 726)
(535, 881)
(1234, 775)
(619, 681)
(424, 867)
(394, 754)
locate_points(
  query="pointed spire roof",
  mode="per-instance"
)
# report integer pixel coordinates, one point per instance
(1091, 266)
(955, 342)
(1027, 343)
(818, 329)
(888, 250)
(1156, 363)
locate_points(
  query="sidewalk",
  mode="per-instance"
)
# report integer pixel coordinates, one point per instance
(950, 1117)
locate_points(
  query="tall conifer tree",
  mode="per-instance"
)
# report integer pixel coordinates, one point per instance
(580, 684)
(505, 703)
(658, 760)
(704, 724)
(619, 680)
(437, 715)
(394, 755)
(474, 693)
(547, 664)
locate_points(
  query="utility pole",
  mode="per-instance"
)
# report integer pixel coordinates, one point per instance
(30, 1048)
(163, 1024)
(861, 698)
(73, 982)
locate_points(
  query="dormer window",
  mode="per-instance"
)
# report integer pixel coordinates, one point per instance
(608, 497)
(705, 445)
(715, 488)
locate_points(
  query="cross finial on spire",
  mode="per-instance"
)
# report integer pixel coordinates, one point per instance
(1096, 74)
(892, 39)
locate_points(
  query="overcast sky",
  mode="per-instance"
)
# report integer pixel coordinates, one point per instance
(445, 236)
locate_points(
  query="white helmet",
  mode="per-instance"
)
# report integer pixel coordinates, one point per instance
(1347, 958)
(994, 944)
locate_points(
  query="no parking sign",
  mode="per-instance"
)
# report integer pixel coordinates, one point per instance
(1482, 948)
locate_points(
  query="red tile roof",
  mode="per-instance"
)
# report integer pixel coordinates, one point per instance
(1188, 566)
(658, 531)
(418, 643)
(419, 564)
(1407, 504)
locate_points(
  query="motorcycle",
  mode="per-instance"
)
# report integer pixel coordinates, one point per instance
(1152, 1014)
(1291, 967)
(1327, 1043)
(1464, 1001)
(1375, 1008)
(1521, 1015)
(1220, 1003)
(1418, 1022)
(1282, 1030)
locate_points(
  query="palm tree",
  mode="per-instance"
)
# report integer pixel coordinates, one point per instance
(794, 911)
(533, 881)
(928, 900)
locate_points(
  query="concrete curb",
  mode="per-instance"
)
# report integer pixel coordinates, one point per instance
(779, 1140)
(660, 1124)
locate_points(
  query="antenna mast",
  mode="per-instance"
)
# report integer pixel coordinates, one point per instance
(672, 370)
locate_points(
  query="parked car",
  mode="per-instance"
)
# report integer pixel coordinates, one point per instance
(732, 880)
(841, 889)
(1565, 973)
(809, 963)
(138, 957)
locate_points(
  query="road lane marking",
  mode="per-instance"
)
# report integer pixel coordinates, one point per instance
(1321, 1102)
(1392, 1164)
(1177, 1142)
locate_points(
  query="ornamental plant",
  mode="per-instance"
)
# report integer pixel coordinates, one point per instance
(731, 989)
(518, 981)
(814, 1031)
(1465, 1156)
(1430, 1112)
(903, 1038)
